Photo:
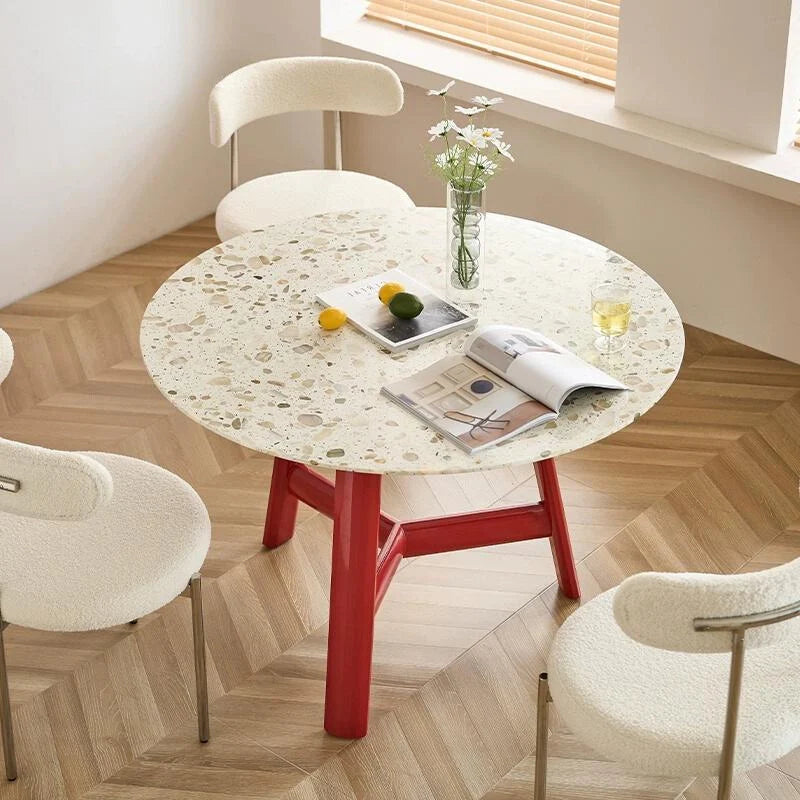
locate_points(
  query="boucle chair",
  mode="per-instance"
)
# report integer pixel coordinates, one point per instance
(92, 540)
(308, 83)
(653, 674)
(6, 355)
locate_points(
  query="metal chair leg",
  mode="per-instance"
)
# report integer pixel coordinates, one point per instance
(337, 138)
(542, 717)
(201, 683)
(731, 717)
(9, 756)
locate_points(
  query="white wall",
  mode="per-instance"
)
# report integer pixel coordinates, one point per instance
(728, 257)
(104, 142)
(722, 74)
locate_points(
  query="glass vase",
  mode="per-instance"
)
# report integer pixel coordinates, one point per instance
(466, 231)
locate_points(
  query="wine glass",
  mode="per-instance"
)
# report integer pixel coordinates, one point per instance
(611, 314)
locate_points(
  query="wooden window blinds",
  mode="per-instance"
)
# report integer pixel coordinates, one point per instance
(573, 37)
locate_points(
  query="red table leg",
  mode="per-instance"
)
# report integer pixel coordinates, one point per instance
(360, 575)
(356, 520)
(549, 491)
(282, 506)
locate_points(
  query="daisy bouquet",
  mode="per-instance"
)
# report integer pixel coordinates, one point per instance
(473, 152)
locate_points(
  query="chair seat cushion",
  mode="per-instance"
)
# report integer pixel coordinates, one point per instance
(294, 195)
(663, 712)
(131, 557)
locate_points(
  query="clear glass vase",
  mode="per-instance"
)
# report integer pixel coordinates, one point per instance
(466, 233)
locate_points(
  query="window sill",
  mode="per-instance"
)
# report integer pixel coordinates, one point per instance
(566, 105)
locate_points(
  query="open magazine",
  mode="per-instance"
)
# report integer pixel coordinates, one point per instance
(507, 380)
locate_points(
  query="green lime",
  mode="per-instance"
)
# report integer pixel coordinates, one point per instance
(406, 305)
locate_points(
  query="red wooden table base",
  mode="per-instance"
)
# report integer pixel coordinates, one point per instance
(359, 581)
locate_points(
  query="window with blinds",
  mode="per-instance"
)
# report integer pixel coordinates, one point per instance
(573, 37)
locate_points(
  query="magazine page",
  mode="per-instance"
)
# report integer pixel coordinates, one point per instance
(537, 365)
(359, 300)
(470, 405)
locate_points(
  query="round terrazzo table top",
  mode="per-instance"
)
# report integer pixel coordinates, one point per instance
(231, 339)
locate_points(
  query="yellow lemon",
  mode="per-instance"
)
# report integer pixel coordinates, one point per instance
(388, 291)
(332, 318)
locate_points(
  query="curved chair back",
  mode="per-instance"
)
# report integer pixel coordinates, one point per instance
(305, 83)
(667, 610)
(50, 484)
(6, 354)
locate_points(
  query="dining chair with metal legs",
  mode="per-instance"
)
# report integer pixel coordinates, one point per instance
(90, 541)
(6, 354)
(653, 674)
(302, 83)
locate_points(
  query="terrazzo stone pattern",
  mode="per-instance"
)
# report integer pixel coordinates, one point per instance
(232, 339)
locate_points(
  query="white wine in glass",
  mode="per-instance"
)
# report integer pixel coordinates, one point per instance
(611, 315)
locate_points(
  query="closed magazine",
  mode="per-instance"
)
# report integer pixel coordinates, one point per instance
(359, 300)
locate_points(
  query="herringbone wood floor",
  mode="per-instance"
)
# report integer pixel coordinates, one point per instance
(705, 481)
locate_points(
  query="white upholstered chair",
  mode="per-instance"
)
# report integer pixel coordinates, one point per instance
(308, 83)
(6, 355)
(653, 674)
(92, 540)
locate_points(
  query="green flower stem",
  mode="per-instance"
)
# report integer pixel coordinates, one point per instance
(466, 265)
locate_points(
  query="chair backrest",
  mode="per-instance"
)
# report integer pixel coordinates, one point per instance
(6, 354)
(659, 608)
(50, 484)
(304, 83)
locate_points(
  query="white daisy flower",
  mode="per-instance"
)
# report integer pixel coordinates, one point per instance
(442, 128)
(483, 100)
(493, 135)
(469, 112)
(472, 136)
(503, 149)
(449, 158)
(442, 92)
(482, 164)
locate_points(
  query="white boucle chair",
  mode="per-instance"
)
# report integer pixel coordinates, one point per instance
(6, 355)
(653, 674)
(92, 540)
(307, 83)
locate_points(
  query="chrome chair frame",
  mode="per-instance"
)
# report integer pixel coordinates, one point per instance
(337, 143)
(737, 626)
(193, 591)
